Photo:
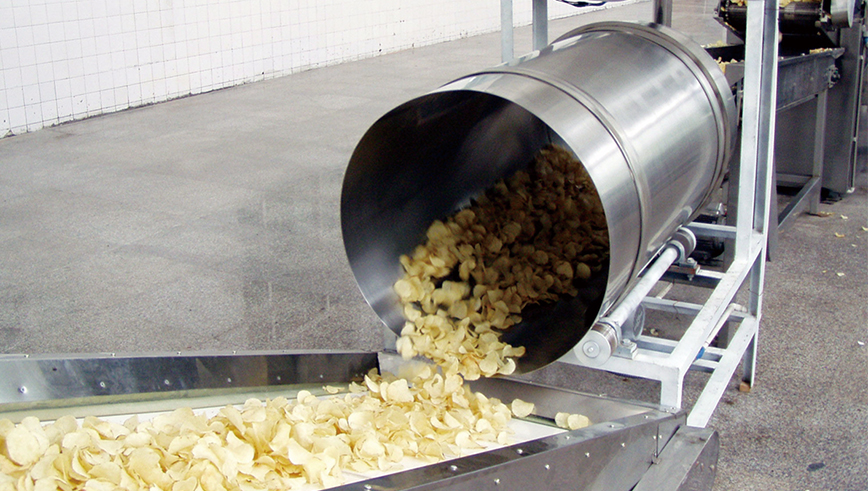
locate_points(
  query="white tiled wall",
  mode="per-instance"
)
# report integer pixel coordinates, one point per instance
(68, 59)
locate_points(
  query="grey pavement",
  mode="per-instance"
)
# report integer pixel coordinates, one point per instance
(212, 223)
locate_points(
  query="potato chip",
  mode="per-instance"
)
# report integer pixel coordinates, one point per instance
(24, 447)
(144, 463)
(398, 391)
(576, 421)
(571, 421)
(521, 409)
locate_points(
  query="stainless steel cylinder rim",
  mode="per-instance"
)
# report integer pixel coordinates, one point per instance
(428, 157)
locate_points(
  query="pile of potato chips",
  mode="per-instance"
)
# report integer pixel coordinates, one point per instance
(530, 239)
(278, 444)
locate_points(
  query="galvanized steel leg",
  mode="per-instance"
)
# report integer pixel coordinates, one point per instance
(757, 153)
(663, 12)
(540, 24)
(671, 387)
(755, 308)
(507, 37)
(819, 149)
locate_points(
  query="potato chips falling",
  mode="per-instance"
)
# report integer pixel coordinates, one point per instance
(529, 240)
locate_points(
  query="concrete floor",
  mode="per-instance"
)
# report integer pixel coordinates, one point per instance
(212, 223)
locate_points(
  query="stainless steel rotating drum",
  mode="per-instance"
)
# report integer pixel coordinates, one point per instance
(646, 110)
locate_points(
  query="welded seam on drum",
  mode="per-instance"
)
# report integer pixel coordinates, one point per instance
(611, 126)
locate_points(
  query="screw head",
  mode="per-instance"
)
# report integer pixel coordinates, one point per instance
(591, 349)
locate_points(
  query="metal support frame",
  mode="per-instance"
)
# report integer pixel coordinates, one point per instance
(540, 24)
(507, 36)
(669, 361)
(663, 12)
(809, 193)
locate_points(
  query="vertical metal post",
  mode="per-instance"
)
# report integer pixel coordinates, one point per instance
(819, 149)
(540, 24)
(671, 387)
(507, 37)
(758, 116)
(760, 85)
(662, 12)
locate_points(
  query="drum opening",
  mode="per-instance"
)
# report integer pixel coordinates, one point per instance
(459, 150)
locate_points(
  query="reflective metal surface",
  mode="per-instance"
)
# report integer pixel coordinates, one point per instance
(646, 110)
(614, 453)
(611, 456)
(686, 464)
(29, 383)
(841, 12)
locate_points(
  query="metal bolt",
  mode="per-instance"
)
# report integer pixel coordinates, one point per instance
(497, 481)
(321, 376)
(547, 467)
(591, 349)
(519, 451)
(623, 445)
(102, 384)
(368, 486)
(22, 389)
(229, 380)
(587, 454)
(278, 378)
(166, 382)
(453, 467)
